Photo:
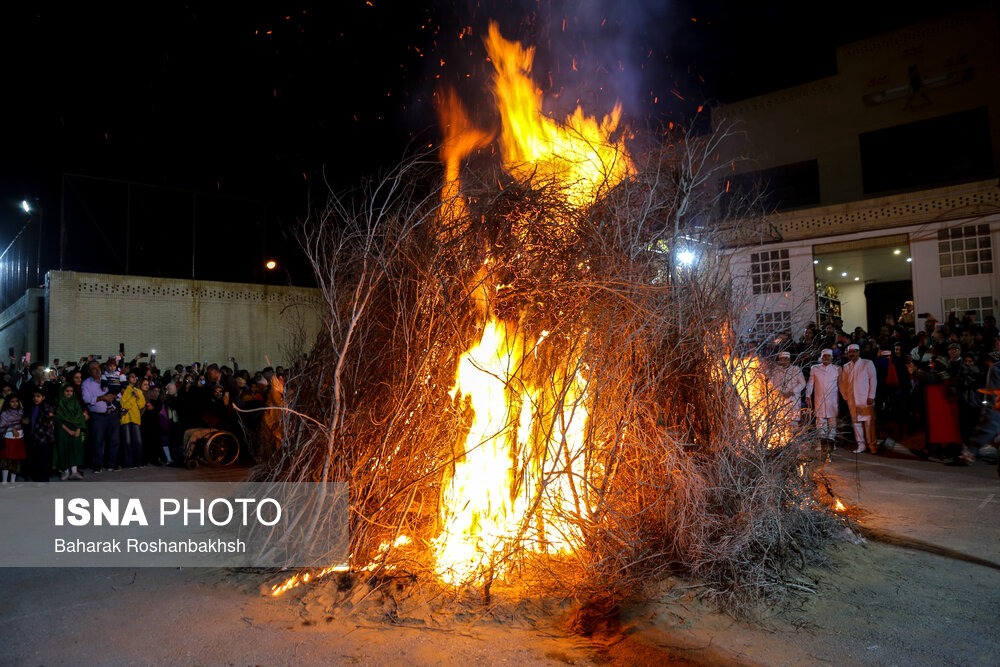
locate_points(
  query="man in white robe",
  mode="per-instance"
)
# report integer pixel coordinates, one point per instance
(789, 382)
(821, 397)
(857, 386)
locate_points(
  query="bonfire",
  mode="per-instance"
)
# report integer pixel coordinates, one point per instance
(524, 386)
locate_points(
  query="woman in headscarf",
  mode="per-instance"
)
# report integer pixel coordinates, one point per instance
(70, 427)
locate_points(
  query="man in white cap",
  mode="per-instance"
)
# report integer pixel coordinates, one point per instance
(857, 386)
(821, 397)
(789, 382)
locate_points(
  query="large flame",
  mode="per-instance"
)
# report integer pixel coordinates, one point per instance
(578, 154)
(515, 477)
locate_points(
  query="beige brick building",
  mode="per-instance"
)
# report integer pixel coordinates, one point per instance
(882, 178)
(77, 314)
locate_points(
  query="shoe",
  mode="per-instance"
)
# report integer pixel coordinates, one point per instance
(861, 449)
(113, 468)
(98, 471)
(76, 475)
(65, 475)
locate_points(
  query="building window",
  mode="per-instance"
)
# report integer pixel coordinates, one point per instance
(982, 306)
(965, 251)
(770, 272)
(770, 324)
(955, 148)
(785, 187)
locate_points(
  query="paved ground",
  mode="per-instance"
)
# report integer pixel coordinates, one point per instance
(956, 507)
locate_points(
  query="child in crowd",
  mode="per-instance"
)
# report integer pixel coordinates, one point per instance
(70, 430)
(43, 435)
(12, 431)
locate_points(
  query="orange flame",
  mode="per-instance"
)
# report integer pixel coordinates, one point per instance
(514, 480)
(460, 139)
(579, 154)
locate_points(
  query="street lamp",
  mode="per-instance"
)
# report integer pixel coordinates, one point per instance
(271, 265)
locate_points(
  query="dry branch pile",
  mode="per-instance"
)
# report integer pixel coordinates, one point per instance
(678, 472)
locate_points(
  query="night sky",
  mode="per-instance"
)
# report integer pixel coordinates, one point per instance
(265, 106)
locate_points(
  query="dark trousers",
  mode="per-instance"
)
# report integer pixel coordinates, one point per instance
(132, 441)
(40, 454)
(104, 431)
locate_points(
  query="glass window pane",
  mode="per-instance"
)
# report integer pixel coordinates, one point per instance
(985, 255)
(949, 304)
(957, 245)
(971, 244)
(972, 269)
(984, 229)
(986, 267)
(943, 246)
(946, 272)
(985, 241)
(987, 313)
(943, 234)
(961, 304)
(786, 265)
(971, 256)
(973, 302)
(956, 233)
(970, 230)
(958, 270)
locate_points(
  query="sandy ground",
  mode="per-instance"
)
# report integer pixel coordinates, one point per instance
(878, 604)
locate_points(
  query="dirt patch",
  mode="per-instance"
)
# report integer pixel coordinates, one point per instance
(877, 604)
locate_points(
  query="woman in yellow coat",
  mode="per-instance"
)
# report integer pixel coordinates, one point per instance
(133, 403)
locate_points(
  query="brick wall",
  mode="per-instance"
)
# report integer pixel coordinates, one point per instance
(21, 326)
(183, 320)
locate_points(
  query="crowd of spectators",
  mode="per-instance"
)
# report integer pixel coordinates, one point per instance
(925, 381)
(114, 414)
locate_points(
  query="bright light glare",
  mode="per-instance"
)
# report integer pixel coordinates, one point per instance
(271, 264)
(896, 251)
(844, 274)
(829, 268)
(909, 259)
(857, 278)
(24, 205)
(815, 261)
(686, 257)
